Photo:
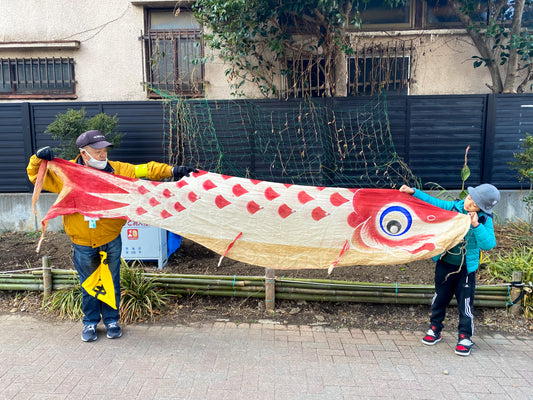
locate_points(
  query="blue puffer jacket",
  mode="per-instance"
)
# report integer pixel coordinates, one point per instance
(479, 238)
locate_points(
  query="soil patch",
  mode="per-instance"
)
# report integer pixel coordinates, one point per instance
(17, 253)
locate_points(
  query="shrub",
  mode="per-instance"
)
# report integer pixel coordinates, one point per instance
(523, 164)
(67, 127)
(141, 297)
(501, 266)
(66, 303)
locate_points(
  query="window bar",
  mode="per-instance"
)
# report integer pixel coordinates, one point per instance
(57, 74)
(12, 74)
(174, 42)
(68, 71)
(386, 64)
(398, 67)
(46, 73)
(39, 74)
(395, 67)
(30, 73)
(63, 82)
(16, 75)
(363, 81)
(318, 85)
(19, 75)
(52, 75)
(2, 78)
(187, 79)
(180, 74)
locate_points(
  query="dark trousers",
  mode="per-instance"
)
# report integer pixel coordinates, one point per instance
(449, 282)
(86, 259)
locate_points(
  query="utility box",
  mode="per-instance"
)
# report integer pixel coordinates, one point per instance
(145, 243)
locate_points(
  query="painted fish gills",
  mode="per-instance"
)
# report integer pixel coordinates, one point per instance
(264, 223)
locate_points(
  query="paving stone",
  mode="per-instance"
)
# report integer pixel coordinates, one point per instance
(224, 360)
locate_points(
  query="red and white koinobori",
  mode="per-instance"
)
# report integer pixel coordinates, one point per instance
(263, 223)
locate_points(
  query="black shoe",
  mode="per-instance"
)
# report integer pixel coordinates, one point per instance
(89, 333)
(464, 346)
(113, 330)
(432, 337)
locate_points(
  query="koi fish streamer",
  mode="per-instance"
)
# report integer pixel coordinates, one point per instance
(265, 223)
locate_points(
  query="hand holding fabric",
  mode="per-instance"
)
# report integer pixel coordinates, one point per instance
(179, 172)
(407, 189)
(45, 153)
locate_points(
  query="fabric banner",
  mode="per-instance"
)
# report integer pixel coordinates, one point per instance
(274, 225)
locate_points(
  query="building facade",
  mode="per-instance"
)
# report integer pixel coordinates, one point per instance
(128, 50)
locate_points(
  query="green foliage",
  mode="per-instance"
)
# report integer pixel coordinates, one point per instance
(65, 302)
(257, 37)
(502, 38)
(67, 127)
(465, 174)
(141, 298)
(33, 234)
(501, 267)
(523, 164)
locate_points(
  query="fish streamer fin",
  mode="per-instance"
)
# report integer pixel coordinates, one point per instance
(84, 198)
(37, 189)
(334, 263)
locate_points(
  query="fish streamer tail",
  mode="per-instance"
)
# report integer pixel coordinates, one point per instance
(83, 190)
(79, 194)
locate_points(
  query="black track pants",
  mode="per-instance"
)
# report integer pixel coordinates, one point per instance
(449, 282)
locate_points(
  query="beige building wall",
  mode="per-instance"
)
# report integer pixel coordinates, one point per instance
(444, 65)
(109, 62)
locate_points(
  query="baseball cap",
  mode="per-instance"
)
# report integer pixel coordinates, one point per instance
(93, 138)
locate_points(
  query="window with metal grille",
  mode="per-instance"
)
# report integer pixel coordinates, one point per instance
(37, 77)
(305, 77)
(173, 50)
(374, 68)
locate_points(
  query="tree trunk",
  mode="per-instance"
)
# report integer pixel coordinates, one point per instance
(482, 45)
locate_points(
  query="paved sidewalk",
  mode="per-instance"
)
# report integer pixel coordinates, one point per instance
(47, 360)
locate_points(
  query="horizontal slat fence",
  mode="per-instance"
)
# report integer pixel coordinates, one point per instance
(430, 133)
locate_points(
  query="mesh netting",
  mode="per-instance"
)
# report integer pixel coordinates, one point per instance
(299, 142)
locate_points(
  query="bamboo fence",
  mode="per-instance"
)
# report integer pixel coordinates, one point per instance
(284, 288)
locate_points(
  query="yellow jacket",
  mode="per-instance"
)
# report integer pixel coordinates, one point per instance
(106, 229)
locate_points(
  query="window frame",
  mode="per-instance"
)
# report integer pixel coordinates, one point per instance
(418, 20)
(37, 82)
(148, 75)
(399, 26)
(393, 50)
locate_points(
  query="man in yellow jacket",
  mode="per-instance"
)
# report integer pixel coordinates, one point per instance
(91, 235)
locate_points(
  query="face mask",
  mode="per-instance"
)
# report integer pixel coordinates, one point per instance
(94, 163)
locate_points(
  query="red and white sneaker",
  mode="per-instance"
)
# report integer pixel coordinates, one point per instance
(432, 337)
(464, 346)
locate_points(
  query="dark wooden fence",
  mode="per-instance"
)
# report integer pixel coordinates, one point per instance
(430, 133)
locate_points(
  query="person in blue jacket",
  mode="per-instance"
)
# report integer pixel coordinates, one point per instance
(456, 268)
